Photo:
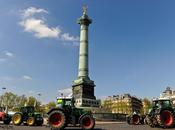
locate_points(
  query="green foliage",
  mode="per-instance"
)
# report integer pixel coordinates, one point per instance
(146, 105)
(51, 105)
(14, 102)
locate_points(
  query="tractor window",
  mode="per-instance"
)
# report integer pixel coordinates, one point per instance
(59, 101)
(68, 103)
(27, 109)
(155, 104)
(30, 109)
(166, 103)
(23, 110)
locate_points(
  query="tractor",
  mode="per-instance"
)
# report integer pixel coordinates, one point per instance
(67, 114)
(4, 116)
(161, 114)
(27, 116)
(135, 119)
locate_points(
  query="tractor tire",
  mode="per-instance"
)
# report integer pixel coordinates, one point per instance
(17, 119)
(165, 119)
(135, 119)
(87, 122)
(128, 120)
(57, 120)
(40, 122)
(7, 120)
(31, 121)
(149, 121)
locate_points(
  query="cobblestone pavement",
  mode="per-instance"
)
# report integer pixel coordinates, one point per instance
(105, 126)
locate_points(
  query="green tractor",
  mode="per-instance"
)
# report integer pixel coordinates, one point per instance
(27, 116)
(161, 114)
(67, 114)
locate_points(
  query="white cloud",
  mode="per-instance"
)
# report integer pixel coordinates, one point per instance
(39, 27)
(67, 37)
(8, 54)
(32, 11)
(26, 77)
(5, 55)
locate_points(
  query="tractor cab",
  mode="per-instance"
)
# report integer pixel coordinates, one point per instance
(64, 102)
(27, 109)
(162, 103)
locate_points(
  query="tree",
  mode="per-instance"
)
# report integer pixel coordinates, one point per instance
(146, 105)
(49, 106)
(14, 102)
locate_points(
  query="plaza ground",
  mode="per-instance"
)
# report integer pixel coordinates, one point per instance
(99, 126)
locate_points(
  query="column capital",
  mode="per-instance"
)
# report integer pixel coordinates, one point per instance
(84, 19)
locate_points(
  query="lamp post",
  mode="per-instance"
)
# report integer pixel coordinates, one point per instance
(3, 89)
(39, 95)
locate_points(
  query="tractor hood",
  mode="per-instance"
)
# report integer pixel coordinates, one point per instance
(11, 113)
(37, 113)
(2, 114)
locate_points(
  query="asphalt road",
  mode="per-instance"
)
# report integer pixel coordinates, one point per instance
(111, 126)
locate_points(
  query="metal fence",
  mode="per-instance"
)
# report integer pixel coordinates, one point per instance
(110, 117)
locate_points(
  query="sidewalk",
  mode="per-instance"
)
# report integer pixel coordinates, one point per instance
(108, 122)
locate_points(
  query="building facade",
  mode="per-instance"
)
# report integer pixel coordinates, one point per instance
(168, 93)
(124, 104)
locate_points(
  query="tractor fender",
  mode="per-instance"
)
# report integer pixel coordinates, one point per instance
(18, 113)
(54, 109)
(83, 115)
(168, 109)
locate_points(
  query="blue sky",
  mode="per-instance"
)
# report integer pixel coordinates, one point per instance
(131, 46)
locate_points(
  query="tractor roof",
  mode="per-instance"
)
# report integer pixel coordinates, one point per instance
(64, 98)
(161, 99)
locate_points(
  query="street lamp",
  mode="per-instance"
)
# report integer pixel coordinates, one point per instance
(3, 88)
(39, 94)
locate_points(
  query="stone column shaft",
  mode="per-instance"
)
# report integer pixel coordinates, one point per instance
(83, 52)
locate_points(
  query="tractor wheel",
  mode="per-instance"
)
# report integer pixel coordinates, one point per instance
(31, 121)
(57, 120)
(149, 121)
(17, 119)
(128, 120)
(87, 122)
(166, 119)
(7, 120)
(135, 119)
(40, 122)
